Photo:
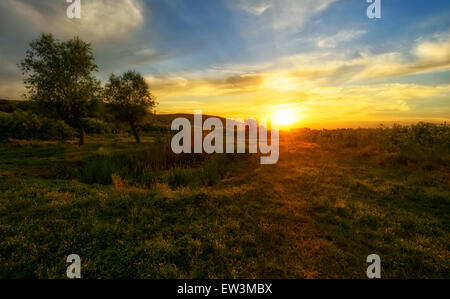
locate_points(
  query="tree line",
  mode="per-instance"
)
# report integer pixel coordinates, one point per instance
(59, 78)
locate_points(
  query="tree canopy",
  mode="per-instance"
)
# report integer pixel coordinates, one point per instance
(59, 76)
(130, 98)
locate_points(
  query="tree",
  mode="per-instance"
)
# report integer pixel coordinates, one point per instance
(59, 77)
(130, 99)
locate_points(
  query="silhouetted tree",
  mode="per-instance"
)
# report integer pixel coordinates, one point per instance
(59, 77)
(130, 99)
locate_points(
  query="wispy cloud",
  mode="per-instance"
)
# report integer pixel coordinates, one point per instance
(256, 7)
(307, 70)
(340, 37)
(429, 56)
(283, 14)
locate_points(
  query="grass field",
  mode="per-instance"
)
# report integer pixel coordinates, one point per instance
(141, 212)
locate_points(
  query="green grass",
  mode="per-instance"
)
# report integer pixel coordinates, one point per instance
(138, 211)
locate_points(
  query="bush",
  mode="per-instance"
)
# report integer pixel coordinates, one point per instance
(148, 127)
(11, 106)
(27, 125)
(7, 106)
(419, 142)
(416, 143)
(96, 126)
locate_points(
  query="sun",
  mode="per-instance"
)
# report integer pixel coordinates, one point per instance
(285, 117)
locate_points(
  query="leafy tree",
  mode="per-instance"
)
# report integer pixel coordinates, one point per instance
(130, 99)
(59, 77)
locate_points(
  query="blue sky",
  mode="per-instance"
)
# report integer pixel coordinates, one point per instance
(325, 60)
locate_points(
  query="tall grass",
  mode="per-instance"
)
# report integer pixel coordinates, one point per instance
(422, 142)
(147, 164)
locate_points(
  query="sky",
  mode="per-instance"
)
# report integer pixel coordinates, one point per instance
(315, 63)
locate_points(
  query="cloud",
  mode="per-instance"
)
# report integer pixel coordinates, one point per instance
(376, 103)
(101, 21)
(340, 37)
(294, 14)
(334, 67)
(172, 86)
(256, 7)
(305, 71)
(282, 14)
(330, 86)
(428, 56)
(434, 52)
(325, 106)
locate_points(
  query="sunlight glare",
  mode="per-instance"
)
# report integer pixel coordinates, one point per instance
(285, 117)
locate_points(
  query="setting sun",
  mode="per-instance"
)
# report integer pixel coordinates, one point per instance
(285, 117)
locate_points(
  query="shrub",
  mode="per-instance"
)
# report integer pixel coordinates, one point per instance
(419, 142)
(97, 126)
(148, 127)
(11, 106)
(27, 125)
(416, 143)
(7, 106)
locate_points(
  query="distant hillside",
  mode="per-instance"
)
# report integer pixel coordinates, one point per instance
(166, 119)
(158, 119)
(11, 105)
(152, 121)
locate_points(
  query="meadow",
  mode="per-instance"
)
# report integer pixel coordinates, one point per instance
(140, 211)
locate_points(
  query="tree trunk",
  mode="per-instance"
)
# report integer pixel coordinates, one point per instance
(82, 134)
(135, 132)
